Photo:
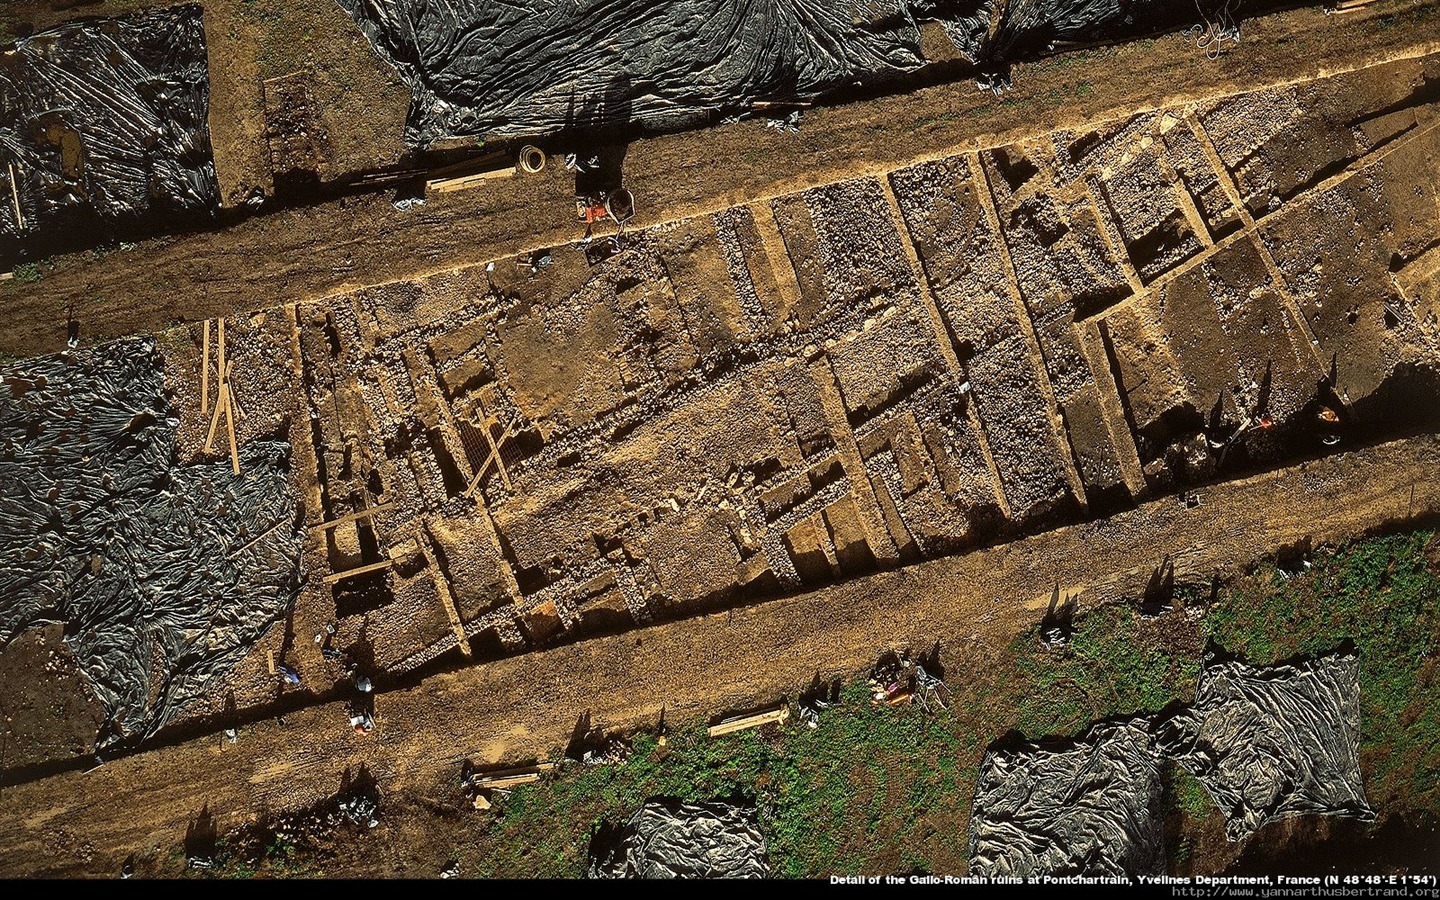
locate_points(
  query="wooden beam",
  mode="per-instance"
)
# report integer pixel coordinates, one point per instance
(484, 465)
(372, 567)
(494, 455)
(15, 198)
(230, 425)
(220, 357)
(205, 369)
(444, 185)
(370, 511)
(234, 400)
(740, 723)
(506, 778)
(215, 419)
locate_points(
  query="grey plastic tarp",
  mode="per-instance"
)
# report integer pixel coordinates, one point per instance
(1028, 27)
(670, 839)
(506, 68)
(1266, 742)
(1089, 806)
(104, 130)
(1273, 742)
(164, 576)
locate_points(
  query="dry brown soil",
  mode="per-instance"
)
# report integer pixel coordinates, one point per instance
(308, 252)
(85, 823)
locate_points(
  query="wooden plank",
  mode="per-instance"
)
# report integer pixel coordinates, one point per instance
(499, 459)
(370, 511)
(372, 567)
(480, 472)
(15, 198)
(230, 425)
(230, 392)
(445, 185)
(205, 369)
(215, 419)
(503, 778)
(498, 784)
(741, 723)
(220, 357)
(493, 455)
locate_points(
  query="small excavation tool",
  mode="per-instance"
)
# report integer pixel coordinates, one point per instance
(617, 206)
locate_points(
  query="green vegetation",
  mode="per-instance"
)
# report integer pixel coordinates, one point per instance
(1381, 594)
(830, 807)
(254, 855)
(28, 273)
(1421, 12)
(889, 789)
(1116, 663)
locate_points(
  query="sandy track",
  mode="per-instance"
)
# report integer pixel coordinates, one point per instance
(310, 252)
(527, 706)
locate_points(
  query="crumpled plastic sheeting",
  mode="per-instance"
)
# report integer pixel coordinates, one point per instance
(1028, 27)
(668, 839)
(525, 67)
(104, 125)
(1273, 742)
(966, 22)
(1090, 806)
(163, 576)
(507, 68)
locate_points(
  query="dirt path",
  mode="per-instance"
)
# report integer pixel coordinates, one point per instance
(309, 252)
(527, 706)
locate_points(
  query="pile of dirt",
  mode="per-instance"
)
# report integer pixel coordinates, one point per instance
(164, 576)
(105, 133)
(669, 839)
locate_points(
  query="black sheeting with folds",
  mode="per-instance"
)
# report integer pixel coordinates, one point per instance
(104, 131)
(510, 67)
(666, 838)
(164, 576)
(506, 68)
(1274, 742)
(1089, 806)
(1266, 742)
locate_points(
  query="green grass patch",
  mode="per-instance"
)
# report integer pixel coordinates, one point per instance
(879, 789)
(1381, 594)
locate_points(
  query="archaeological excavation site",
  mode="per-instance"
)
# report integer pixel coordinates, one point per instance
(992, 440)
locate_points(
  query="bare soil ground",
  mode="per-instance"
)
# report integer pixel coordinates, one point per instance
(313, 251)
(527, 706)
(984, 348)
